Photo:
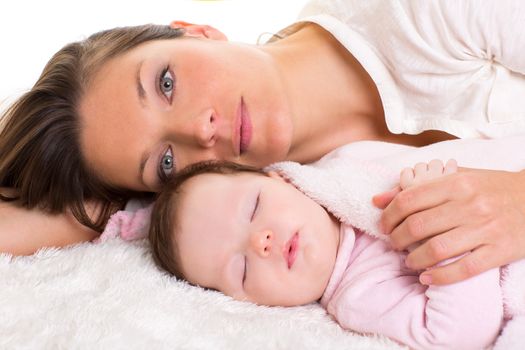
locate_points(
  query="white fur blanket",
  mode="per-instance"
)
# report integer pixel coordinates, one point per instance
(111, 296)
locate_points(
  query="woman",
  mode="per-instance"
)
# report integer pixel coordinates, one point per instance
(115, 116)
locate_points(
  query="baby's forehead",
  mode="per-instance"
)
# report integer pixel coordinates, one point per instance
(202, 189)
(213, 177)
(207, 184)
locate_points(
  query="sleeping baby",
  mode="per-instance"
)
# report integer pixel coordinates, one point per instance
(268, 238)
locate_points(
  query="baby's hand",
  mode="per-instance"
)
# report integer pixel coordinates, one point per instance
(409, 177)
(423, 172)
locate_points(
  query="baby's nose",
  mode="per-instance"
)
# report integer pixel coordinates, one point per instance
(261, 242)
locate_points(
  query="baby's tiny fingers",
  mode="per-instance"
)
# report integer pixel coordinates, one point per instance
(451, 167)
(435, 168)
(424, 171)
(406, 178)
(420, 170)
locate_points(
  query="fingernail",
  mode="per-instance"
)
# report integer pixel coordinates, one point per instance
(425, 279)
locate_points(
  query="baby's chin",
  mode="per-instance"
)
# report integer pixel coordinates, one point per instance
(298, 297)
(283, 300)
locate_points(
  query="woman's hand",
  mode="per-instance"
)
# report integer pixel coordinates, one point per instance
(199, 30)
(476, 211)
(24, 231)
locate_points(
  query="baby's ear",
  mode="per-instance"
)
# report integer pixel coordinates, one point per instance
(200, 30)
(275, 175)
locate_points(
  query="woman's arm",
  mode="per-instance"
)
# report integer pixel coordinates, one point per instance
(476, 211)
(23, 231)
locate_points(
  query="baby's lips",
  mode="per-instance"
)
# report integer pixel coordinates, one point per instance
(290, 250)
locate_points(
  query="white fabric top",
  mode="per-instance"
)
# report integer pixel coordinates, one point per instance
(455, 66)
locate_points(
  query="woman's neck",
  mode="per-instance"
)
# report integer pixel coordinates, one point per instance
(333, 99)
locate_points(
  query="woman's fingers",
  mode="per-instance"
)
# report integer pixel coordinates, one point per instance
(425, 224)
(444, 246)
(413, 200)
(422, 173)
(476, 215)
(479, 213)
(382, 200)
(480, 260)
(409, 177)
(199, 30)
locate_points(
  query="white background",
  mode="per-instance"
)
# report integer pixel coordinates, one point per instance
(31, 31)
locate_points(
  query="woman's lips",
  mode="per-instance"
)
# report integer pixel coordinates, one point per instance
(291, 249)
(245, 129)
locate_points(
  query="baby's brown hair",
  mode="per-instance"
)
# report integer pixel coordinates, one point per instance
(163, 225)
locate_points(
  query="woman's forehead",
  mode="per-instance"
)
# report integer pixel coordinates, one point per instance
(113, 123)
(128, 61)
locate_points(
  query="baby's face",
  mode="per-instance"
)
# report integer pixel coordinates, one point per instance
(255, 238)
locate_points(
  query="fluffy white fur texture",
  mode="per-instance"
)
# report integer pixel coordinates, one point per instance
(111, 296)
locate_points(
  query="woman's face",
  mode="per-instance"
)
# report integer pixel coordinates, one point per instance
(169, 103)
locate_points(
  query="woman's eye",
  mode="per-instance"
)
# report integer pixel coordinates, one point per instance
(254, 211)
(167, 165)
(167, 83)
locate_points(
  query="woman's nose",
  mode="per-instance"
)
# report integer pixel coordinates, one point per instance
(261, 242)
(206, 129)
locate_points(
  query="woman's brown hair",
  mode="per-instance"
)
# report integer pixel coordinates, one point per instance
(164, 215)
(40, 154)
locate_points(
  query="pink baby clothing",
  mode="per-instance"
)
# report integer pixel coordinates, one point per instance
(372, 291)
(129, 224)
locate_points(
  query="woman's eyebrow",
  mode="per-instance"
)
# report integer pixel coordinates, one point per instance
(141, 92)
